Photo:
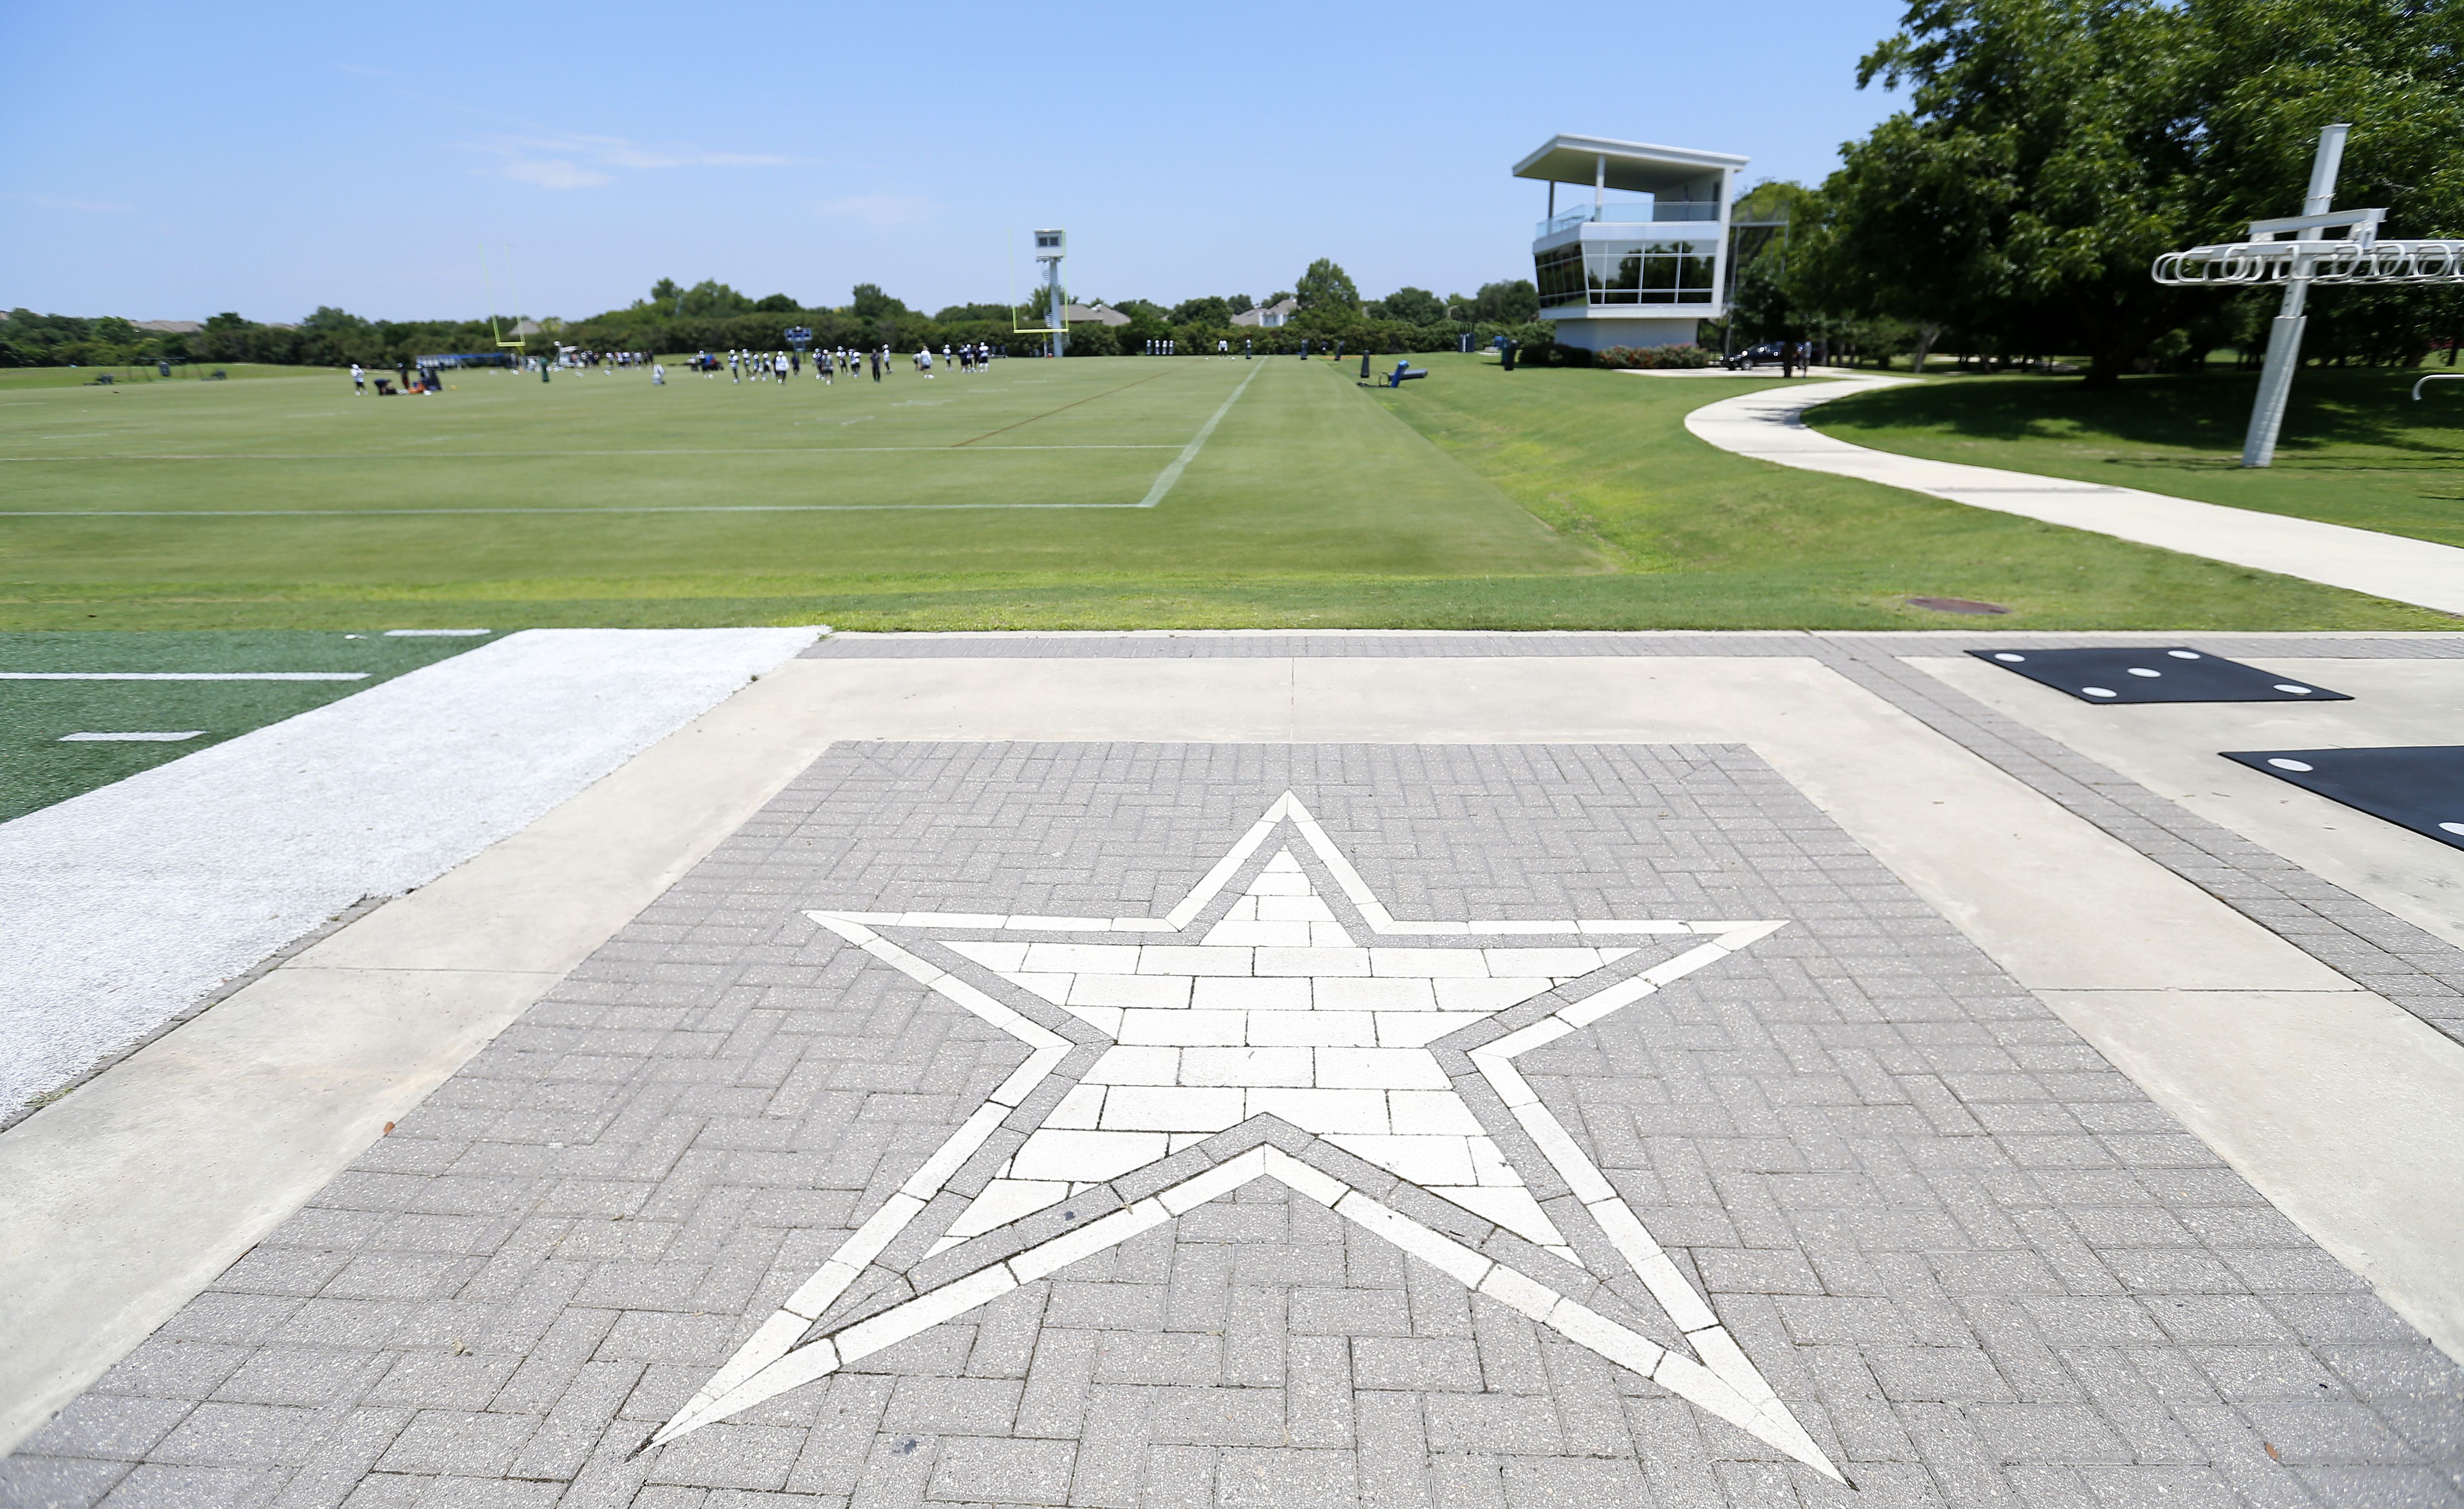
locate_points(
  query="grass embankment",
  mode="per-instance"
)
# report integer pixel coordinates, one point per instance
(1542, 499)
(2356, 449)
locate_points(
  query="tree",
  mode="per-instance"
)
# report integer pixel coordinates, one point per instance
(1209, 311)
(664, 293)
(712, 297)
(869, 302)
(1327, 292)
(1242, 305)
(776, 305)
(1414, 306)
(1509, 302)
(970, 314)
(2042, 164)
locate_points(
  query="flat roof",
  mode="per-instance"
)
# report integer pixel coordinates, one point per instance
(1634, 167)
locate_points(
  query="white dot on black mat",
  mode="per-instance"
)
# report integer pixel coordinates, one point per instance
(2183, 654)
(2287, 686)
(2289, 765)
(2005, 655)
(2143, 671)
(2100, 690)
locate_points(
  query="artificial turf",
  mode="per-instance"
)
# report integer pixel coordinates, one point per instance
(1478, 498)
(2356, 447)
(37, 769)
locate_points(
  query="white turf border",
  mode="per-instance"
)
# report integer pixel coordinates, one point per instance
(128, 904)
(1769, 426)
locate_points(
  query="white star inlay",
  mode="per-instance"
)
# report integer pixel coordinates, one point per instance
(1278, 1012)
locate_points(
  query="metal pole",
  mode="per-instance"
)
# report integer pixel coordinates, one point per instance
(2284, 333)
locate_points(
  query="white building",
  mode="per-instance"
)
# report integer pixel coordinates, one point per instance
(1271, 316)
(1637, 255)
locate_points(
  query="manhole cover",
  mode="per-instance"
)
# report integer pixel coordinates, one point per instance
(1956, 605)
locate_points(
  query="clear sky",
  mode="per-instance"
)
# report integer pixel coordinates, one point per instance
(168, 161)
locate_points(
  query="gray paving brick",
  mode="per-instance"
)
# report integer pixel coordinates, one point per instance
(1982, 1267)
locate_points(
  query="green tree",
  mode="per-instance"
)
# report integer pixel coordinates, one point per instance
(1326, 293)
(1208, 311)
(664, 293)
(2045, 161)
(1513, 302)
(1414, 306)
(870, 303)
(776, 305)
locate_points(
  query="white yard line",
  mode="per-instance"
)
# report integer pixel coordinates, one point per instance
(1769, 426)
(1189, 452)
(183, 675)
(129, 903)
(130, 738)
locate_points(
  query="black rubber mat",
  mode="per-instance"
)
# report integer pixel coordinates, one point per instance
(2420, 788)
(2154, 674)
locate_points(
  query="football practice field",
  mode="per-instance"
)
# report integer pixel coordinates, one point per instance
(1104, 492)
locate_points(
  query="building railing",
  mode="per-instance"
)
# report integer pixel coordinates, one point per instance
(1630, 213)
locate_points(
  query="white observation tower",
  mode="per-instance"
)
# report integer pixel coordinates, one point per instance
(1640, 260)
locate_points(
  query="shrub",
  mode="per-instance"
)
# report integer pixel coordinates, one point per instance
(1653, 358)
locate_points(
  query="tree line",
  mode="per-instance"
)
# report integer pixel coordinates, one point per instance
(2050, 149)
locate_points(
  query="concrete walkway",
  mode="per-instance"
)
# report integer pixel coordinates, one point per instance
(1769, 426)
(129, 904)
(1877, 1118)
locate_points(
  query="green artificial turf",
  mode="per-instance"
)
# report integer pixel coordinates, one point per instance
(2356, 447)
(1539, 498)
(36, 770)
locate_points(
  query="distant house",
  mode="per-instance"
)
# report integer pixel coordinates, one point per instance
(169, 326)
(525, 327)
(1271, 317)
(1097, 314)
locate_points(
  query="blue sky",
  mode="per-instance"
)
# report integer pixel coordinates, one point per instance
(171, 161)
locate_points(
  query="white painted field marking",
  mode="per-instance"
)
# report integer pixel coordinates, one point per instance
(130, 739)
(1189, 452)
(1274, 1011)
(183, 675)
(433, 633)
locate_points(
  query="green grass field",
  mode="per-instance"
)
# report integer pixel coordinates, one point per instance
(37, 769)
(2355, 449)
(13, 378)
(1541, 499)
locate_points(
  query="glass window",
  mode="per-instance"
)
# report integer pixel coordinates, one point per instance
(1558, 274)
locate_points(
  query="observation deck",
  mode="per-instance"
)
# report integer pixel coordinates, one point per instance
(1643, 268)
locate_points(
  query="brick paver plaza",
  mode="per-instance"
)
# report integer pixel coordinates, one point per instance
(1279, 1122)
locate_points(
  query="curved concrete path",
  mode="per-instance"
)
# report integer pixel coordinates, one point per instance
(1769, 426)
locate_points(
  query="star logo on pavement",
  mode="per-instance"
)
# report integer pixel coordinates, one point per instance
(1252, 1034)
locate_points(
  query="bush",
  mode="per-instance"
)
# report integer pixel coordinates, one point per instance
(1653, 358)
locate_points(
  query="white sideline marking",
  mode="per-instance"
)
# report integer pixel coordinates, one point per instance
(129, 738)
(435, 633)
(1189, 452)
(183, 675)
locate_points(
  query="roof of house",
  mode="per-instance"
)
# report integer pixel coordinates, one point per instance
(1284, 307)
(1099, 314)
(170, 326)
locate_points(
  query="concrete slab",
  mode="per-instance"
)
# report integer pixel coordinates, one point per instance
(1868, 1145)
(2173, 751)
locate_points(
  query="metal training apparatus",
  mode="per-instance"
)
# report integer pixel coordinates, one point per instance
(2308, 256)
